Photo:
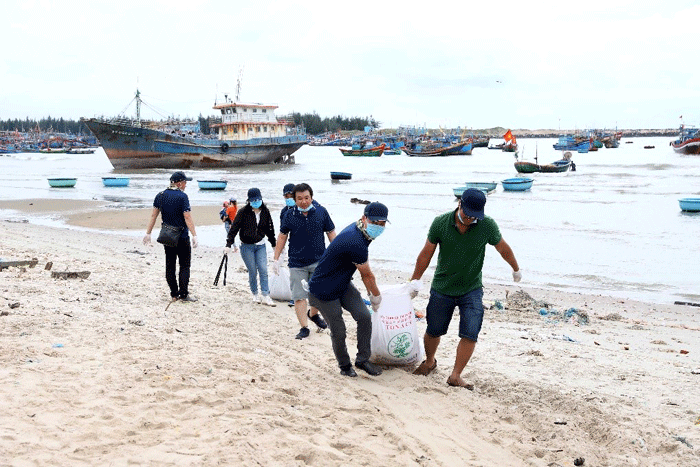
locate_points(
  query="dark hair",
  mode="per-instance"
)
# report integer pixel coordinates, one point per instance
(302, 187)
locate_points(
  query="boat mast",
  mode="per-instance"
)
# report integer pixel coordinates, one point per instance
(138, 106)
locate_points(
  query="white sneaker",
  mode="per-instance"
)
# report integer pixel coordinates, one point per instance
(256, 298)
(268, 301)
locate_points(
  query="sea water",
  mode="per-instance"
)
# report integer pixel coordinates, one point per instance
(612, 227)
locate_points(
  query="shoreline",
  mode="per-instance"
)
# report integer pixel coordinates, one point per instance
(96, 371)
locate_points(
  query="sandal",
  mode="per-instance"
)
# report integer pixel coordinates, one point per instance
(423, 369)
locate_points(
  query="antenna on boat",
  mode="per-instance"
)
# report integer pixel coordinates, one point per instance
(535, 152)
(238, 84)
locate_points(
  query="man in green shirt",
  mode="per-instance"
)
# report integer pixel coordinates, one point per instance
(462, 235)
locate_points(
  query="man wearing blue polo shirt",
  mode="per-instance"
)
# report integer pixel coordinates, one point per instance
(462, 235)
(331, 289)
(304, 224)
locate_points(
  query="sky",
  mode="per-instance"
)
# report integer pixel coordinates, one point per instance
(522, 65)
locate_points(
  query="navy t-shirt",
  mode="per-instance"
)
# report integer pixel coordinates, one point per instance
(306, 243)
(338, 264)
(173, 204)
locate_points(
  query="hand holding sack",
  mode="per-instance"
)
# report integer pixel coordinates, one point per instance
(276, 267)
(517, 275)
(375, 301)
(414, 286)
(194, 241)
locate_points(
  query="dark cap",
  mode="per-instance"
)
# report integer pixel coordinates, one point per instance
(179, 177)
(288, 188)
(253, 194)
(232, 200)
(376, 211)
(473, 201)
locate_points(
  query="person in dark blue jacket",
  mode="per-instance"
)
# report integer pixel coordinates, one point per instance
(174, 207)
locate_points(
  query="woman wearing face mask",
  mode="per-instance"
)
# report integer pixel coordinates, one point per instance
(253, 222)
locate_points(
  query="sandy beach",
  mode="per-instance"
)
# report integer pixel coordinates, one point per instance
(96, 372)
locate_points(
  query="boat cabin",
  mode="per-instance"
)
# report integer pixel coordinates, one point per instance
(247, 121)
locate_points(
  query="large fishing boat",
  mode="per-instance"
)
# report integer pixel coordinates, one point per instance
(247, 134)
(688, 141)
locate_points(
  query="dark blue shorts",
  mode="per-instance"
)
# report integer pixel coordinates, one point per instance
(471, 313)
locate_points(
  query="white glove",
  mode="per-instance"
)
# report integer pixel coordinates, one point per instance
(194, 241)
(304, 285)
(415, 285)
(227, 250)
(517, 275)
(375, 301)
(276, 267)
(147, 239)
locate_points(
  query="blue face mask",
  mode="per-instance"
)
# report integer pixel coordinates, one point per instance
(256, 204)
(311, 206)
(374, 230)
(289, 202)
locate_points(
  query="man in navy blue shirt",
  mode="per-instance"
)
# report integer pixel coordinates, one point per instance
(304, 225)
(331, 289)
(174, 207)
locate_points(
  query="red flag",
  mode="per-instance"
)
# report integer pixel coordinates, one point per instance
(508, 136)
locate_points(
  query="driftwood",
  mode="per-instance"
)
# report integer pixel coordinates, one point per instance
(70, 275)
(6, 264)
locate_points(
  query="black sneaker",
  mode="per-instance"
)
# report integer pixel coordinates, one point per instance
(303, 332)
(370, 368)
(349, 371)
(317, 319)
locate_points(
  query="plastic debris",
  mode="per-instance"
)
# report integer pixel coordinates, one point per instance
(543, 311)
(498, 305)
(57, 346)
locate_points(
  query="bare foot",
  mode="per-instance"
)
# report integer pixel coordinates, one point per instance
(460, 383)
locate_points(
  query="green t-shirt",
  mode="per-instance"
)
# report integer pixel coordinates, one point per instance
(461, 256)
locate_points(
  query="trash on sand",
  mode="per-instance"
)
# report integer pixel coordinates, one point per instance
(581, 317)
(498, 305)
(57, 346)
(579, 461)
(543, 311)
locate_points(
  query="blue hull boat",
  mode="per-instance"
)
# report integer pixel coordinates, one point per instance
(212, 184)
(341, 176)
(690, 204)
(62, 182)
(115, 181)
(517, 184)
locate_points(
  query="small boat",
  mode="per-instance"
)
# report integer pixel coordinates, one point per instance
(115, 181)
(690, 204)
(525, 167)
(649, 147)
(341, 176)
(486, 187)
(435, 151)
(517, 184)
(212, 184)
(375, 151)
(556, 166)
(62, 182)
(688, 141)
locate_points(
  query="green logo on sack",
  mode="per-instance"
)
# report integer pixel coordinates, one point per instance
(400, 344)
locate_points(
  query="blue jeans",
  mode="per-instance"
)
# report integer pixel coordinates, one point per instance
(471, 313)
(255, 259)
